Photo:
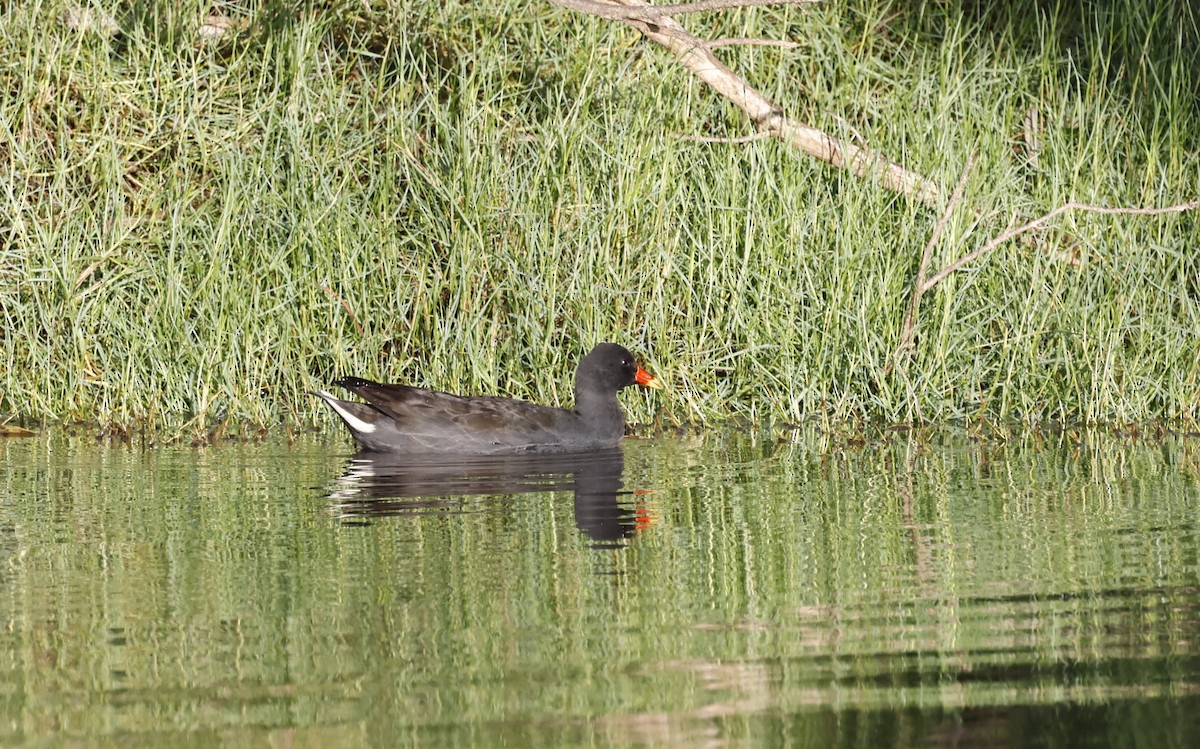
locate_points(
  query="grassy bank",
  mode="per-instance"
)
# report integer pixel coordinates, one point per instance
(200, 228)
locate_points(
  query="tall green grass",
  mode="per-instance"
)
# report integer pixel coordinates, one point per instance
(468, 196)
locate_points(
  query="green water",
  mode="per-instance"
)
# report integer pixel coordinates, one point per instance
(729, 590)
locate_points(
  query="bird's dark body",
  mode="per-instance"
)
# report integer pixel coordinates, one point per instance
(404, 419)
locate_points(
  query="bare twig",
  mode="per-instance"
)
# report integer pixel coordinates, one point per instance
(714, 139)
(750, 42)
(345, 305)
(656, 24)
(923, 284)
(853, 130)
(1037, 222)
(1031, 137)
(617, 10)
(919, 287)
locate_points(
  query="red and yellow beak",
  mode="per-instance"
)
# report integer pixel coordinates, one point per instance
(647, 380)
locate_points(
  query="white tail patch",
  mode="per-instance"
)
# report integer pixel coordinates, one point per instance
(355, 423)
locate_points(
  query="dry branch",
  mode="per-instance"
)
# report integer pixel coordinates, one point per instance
(919, 288)
(1037, 222)
(923, 284)
(346, 306)
(619, 10)
(658, 25)
(718, 139)
(750, 42)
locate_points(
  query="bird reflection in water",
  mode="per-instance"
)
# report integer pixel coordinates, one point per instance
(381, 484)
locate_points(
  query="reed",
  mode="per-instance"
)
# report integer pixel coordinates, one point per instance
(201, 229)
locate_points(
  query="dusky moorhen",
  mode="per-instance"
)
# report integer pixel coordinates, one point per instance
(403, 419)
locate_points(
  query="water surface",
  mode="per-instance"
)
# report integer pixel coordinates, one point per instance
(726, 590)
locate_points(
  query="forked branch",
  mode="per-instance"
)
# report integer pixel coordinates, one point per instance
(924, 284)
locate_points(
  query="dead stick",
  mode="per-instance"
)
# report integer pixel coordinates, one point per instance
(1012, 233)
(919, 288)
(695, 55)
(345, 305)
(714, 139)
(923, 285)
(750, 42)
(612, 9)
